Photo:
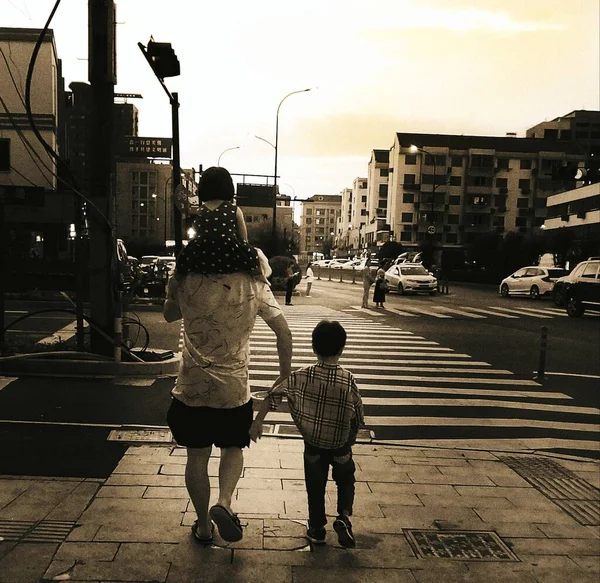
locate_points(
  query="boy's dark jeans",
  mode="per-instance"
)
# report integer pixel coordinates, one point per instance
(316, 470)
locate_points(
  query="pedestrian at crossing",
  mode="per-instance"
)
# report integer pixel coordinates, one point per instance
(327, 409)
(310, 277)
(368, 280)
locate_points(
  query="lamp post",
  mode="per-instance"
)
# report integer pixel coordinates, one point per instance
(164, 199)
(274, 229)
(226, 150)
(431, 229)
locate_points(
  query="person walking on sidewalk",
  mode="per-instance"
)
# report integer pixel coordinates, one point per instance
(211, 402)
(327, 408)
(310, 277)
(368, 279)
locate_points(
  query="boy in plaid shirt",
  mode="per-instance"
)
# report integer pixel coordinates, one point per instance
(326, 406)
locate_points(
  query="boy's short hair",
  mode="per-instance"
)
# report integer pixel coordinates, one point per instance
(215, 183)
(328, 338)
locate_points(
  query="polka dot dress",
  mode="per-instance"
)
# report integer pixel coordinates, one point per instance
(217, 248)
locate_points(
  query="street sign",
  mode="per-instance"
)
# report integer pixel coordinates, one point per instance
(22, 195)
(138, 147)
(431, 229)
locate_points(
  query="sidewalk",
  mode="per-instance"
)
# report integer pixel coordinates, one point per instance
(135, 526)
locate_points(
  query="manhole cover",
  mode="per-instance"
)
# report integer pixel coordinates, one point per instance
(465, 545)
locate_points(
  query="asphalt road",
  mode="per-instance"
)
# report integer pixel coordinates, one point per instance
(60, 426)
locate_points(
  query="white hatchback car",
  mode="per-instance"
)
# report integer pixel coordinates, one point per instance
(410, 278)
(534, 281)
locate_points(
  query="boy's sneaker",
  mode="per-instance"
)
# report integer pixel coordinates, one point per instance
(343, 527)
(316, 535)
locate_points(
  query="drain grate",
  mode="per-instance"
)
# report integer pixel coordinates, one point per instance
(578, 498)
(464, 545)
(44, 531)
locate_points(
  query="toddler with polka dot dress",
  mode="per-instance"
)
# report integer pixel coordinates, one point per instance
(221, 241)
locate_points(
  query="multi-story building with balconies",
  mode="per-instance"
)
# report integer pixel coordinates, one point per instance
(448, 188)
(344, 224)
(359, 215)
(320, 216)
(376, 232)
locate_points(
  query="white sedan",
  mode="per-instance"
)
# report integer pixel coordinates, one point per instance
(410, 278)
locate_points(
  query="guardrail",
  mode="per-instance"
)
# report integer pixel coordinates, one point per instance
(340, 274)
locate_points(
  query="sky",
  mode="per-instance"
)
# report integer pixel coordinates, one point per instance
(374, 67)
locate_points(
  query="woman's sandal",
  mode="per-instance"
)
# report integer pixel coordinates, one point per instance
(227, 522)
(203, 539)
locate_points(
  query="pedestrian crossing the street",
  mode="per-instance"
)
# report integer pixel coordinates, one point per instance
(466, 312)
(417, 392)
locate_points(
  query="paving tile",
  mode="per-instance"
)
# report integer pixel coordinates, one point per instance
(141, 531)
(454, 572)
(154, 570)
(393, 474)
(75, 503)
(427, 475)
(283, 473)
(402, 452)
(105, 510)
(144, 480)
(566, 531)
(296, 462)
(126, 466)
(561, 575)
(498, 573)
(159, 457)
(373, 462)
(382, 550)
(253, 529)
(262, 460)
(274, 527)
(509, 480)
(591, 564)
(39, 499)
(327, 556)
(397, 499)
(554, 546)
(517, 529)
(93, 551)
(12, 489)
(371, 575)
(399, 517)
(290, 445)
(268, 501)
(445, 490)
(503, 492)
(121, 491)
(230, 573)
(465, 501)
(493, 515)
(166, 492)
(285, 543)
(426, 461)
(26, 563)
(455, 453)
(261, 483)
(83, 532)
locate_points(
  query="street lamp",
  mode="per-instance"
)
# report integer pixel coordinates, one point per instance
(274, 230)
(431, 229)
(226, 150)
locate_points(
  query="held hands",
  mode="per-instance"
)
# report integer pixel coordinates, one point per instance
(256, 430)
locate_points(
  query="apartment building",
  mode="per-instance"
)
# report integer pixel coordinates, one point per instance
(376, 231)
(448, 188)
(320, 217)
(344, 224)
(359, 215)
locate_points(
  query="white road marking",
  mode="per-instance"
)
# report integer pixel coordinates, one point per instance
(491, 313)
(5, 381)
(396, 311)
(478, 422)
(521, 312)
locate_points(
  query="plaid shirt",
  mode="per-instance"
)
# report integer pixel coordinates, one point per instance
(324, 402)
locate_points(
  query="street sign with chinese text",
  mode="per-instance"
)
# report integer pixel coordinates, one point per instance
(138, 147)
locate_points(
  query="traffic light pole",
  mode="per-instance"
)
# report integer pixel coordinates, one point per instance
(176, 179)
(102, 265)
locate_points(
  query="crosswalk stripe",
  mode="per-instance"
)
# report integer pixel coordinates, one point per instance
(400, 312)
(356, 367)
(425, 311)
(476, 421)
(460, 312)
(522, 312)
(268, 359)
(544, 312)
(411, 402)
(492, 313)
(368, 311)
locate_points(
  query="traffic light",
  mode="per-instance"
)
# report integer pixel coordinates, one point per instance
(162, 59)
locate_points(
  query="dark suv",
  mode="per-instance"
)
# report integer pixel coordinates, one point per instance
(580, 290)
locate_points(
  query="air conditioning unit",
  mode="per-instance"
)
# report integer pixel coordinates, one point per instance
(581, 215)
(564, 218)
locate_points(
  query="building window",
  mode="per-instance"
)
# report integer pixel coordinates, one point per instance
(525, 164)
(362, 184)
(363, 213)
(409, 179)
(454, 200)
(308, 220)
(482, 161)
(524, 183)
(452, 238)
(407, 217)
(410, 159)
(406, 236)
(455, 180)
(521, 222)
(384, 172)
(383, 190)
(502, 164)
(363, 199)
(501, 182)
(309, 211)
(456, 162)
(408, 198)
(522, 203)
(481, 181)
(453, 219)
(498, 222)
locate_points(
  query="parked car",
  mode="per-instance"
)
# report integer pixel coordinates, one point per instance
(534, 281)
(582, 288)
(560, 285)
(339, 263)
(410, 278)
(165, 267)
(322, 262)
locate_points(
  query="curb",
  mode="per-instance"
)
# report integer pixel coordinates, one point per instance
(69, 367)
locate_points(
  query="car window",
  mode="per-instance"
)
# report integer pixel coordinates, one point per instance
(414, 270)
(533, 272)
(519, 273)
(557, 272)
(589, 271)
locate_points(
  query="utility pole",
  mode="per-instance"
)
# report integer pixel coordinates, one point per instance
(103, 264)
(176, 179)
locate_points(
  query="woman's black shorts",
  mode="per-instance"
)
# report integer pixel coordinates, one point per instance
(204, 426)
